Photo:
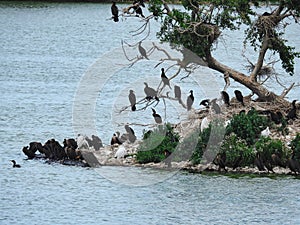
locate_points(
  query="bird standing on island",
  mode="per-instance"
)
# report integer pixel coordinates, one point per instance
(190, 101)
(132, 100)
(225, 98)
(115, 12)
(15, 164)
(292, 114)
(215, 106)
(156, 116)
(130, 132)
(164, 78)
(239, 96)
(142, 51)
(115, 140)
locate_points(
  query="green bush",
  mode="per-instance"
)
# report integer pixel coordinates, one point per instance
(295, 145)
(248, 126)
(237, 152)
(155, 143)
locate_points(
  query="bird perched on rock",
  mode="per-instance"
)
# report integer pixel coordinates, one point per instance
(239, 96)
(132, 100)
(130, 132)
(142, 51)
(156, 116)
(215, 106)
(164, 78)
(292, 114)
(190, 101)
(115, 12)
(150, 92)
(15, 164)
(225, 98)
(115, 140)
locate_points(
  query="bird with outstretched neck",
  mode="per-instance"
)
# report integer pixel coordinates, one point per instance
(142, 51)
(164, 78)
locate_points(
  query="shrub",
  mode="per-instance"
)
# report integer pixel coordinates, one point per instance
(248, 126)
(155, 143)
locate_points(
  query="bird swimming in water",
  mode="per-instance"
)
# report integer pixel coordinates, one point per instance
(156, 116)
(130, 132)
(132, 100)
(190, 101)
(215, 106)
(292, 114)
(239, 96)
(225, 98)
(164, 78)
(115, 12)
(142, 51)
(205, 103)
(15, 164)
(150, 92)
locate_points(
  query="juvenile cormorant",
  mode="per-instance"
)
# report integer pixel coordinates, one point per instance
(225, 98)
(142, 51)
(190, 101)
(130, 132)
(239, 96)
(215, 106)
(115, 140)
(150, 92)
(205, 103)
(115, 12)
(177, 92)
(15, 164)
(292, 114)
(156, 116)
(132, 100)
(164, 78)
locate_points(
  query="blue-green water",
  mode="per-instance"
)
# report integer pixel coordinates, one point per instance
(45, 50)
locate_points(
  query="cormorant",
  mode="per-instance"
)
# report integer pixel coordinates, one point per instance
(293, 164)
(142, 51)
(132, 100)
(190, 101)
(239, 96)
(115, 140)
(292, 114)
(220, 161)
(164, 78)
(205, 103)
(156, 116)
(138, 9)
(215, 106)
(15, 164)
(115, 12)
(150, 92)
(225, 98)
(275, 117)
(168, 158)
(177, 92)
(259, 162)
(130, 132)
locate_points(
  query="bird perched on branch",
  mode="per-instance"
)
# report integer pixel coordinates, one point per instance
(150, 92)
(190, 101)
(132, 100)
(137, 8)
(239, 96)
(164, 78)
(142, 51)
(115, 12)
(156, 116)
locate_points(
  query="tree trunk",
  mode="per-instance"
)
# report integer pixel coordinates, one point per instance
(263, 93)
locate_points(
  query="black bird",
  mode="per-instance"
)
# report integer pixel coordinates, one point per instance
(164, 78)
(115, 140)
(292, 114)
(115, 12)
(275, 117)
(15, 164)
(205, 103)
(130, 132)
(138, 9)
(190, 101)
(239, 96)
(215, 106)
(220, 160)
(150, 92)
(177, 92)
(225, 98)
(132, 100)
(293, 164)
(142, 51)
(259, 162)
(156, 116)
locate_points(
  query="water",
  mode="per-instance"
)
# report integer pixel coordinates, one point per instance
(46, 49)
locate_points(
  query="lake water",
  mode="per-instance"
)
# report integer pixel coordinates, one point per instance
(63, 72)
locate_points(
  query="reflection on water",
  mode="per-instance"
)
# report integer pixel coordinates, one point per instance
(45, 50)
